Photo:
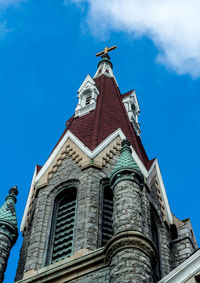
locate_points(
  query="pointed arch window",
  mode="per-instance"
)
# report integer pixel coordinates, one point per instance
(156, 239)
(107, 230)
(63, 223)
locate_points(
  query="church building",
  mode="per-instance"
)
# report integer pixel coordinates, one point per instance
(97, 210)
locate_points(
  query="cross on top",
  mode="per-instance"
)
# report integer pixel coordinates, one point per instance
(106, 50)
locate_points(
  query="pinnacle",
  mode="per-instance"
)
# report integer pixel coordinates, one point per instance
(8, 211)
(125, 161)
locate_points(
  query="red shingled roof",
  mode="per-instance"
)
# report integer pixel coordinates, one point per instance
(127, 93)
(109, 115)
(38, 167)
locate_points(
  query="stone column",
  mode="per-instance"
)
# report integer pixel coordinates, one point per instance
(8, 229)
(130, 252)
(5, 247)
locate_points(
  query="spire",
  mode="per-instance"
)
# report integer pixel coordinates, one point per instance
(8, 218)
(105, 66)
(125, 162)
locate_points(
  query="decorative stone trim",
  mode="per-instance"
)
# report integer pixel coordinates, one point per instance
(130, 239)
(154, 182)
(70, 149)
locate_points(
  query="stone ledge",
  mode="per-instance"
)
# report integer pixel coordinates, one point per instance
(85, 261)
(68, 269)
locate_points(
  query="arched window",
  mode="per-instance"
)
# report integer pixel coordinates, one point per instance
(155, 239)
(107, 230)
(63, 222)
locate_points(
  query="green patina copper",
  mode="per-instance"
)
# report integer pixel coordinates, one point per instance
(105, 58)
(8, 211)
(125, 161)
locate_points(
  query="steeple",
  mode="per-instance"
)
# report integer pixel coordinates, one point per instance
(8, 229)
(95, 213)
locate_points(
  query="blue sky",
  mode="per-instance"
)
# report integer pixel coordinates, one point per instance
(46, 50)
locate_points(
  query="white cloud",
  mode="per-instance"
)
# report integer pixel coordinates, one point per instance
(173, 26)
(6, 3)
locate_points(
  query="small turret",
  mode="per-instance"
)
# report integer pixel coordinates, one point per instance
(8, 229)
(130, 241)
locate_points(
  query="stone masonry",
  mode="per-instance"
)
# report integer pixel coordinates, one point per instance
(8, 229)
(130, 255)
(35, 244)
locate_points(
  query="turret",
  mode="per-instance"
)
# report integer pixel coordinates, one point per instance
(131, 251)
(8, 229)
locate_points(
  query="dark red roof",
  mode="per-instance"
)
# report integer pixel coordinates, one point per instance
(38, 167)
(109, 115)
(127, 93)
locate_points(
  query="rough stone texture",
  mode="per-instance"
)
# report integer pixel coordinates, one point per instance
(163, 230)
(164, 249)
(23, 253)
(132, 205)
(130, 265)
(88, 183)
(99, 276)
(127, 210)
(183, 246)
(5, 246)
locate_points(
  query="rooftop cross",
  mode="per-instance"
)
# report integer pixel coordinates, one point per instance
(106, 50)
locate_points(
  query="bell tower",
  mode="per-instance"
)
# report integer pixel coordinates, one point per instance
(97, 210)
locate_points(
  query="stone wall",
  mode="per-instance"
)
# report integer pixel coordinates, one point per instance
(132, 199)
(99, 276)
(23, 253)
(184, 245)
(130, 265)
(88, 182)
(5, 246)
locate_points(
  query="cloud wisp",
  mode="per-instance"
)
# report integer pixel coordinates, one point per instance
(4, 5)
(173, 26)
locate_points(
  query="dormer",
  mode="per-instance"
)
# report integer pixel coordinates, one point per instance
(87, 95)
(132, 107)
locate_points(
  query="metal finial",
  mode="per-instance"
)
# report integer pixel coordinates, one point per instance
(106, 50)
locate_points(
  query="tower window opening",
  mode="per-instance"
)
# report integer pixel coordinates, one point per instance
(155, 239)
(87, 101)
(107, 230)
(62, 230)
(133, 107)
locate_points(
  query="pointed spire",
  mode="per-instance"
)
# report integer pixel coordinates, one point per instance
(125, 162)
(8, 218)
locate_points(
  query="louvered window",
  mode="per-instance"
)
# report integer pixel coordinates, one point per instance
(88, 100)
(107, 230)
(61, 244)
